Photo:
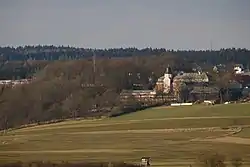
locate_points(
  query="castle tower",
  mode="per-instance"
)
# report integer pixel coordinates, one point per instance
(168, 76)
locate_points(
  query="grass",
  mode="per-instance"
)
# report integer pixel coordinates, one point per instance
(111, 140)
(245, 133)
(190, 111)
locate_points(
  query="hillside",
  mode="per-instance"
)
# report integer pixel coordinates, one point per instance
(170, 136)
(69, 89)
(192, 111)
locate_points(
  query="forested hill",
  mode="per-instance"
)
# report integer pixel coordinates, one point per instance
(62, 89)
(70, 53)
(62, 53)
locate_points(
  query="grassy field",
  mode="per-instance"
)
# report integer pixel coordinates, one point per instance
(171, 136)
(245, 133)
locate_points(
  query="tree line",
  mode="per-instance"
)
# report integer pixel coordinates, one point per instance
(51, 53)
(23, 62)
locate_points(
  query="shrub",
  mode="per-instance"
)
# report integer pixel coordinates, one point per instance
(212, 160)
(236, 162)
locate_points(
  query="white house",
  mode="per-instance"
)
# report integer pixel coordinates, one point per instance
(238, 69)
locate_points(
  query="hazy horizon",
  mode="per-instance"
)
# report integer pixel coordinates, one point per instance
(170, 24)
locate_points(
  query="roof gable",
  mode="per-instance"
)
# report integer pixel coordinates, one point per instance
(192, 77)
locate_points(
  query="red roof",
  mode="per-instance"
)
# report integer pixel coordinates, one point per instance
(243, 79)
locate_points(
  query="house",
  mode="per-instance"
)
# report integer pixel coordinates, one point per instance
(243, 78)
(169, 84)
(238, 69)
(137, 94)
(5, 82)
(183, 83)
(164, 83)
(235, 85)
(219, 68)
(204, 92)
(14, 83)
(191, 78)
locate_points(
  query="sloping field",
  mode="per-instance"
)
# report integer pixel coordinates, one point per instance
(191, 111)
(171, 136)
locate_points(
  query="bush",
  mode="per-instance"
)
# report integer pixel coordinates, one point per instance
(236, 162)
(212, 160)
(125, 109)
(130, 108)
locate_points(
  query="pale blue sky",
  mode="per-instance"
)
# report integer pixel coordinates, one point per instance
(172, 24)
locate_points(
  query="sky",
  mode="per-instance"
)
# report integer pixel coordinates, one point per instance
(170, 24)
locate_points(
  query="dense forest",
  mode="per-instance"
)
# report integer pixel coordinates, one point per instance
(70, 53)
(23, 62)
(67, 85)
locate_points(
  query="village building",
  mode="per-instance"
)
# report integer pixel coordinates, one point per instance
(243, 78)
(164, 83)
(239, 69)
(14, 83)
(204, 93)
(219, 68)
(191, 78)
(137, 94)
(234, 84)
(191, 86)
(167, 83)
